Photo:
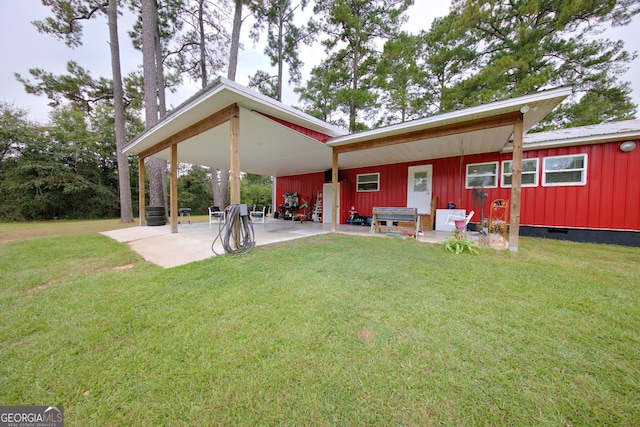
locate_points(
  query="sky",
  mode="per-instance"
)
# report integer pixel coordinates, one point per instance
(24, 48)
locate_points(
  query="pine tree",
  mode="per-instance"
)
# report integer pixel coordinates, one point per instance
(66, 25)
(353, 29)
(400, 79)
(157, 167)
(283, 40)
(528, 45)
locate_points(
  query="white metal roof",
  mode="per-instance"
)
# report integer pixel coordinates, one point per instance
(540, 104)
(270, 148)
(535, 107)
(592, 134)
(218, 95)
(266, 148)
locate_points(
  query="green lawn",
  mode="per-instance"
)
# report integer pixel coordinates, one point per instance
(329, 330)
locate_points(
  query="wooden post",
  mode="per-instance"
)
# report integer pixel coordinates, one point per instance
(234, 156)
(334, 190)
(141, 190)
(516, 185)
(234, 166)
(174, 188)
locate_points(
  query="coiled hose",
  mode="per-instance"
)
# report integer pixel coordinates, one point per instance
(244, 229)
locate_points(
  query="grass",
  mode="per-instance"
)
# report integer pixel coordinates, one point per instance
(14, 232)
(327, 330)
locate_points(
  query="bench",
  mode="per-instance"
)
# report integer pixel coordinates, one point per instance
(395, 221)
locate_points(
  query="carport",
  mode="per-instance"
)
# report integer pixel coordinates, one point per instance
(225, 123)
(228, 126)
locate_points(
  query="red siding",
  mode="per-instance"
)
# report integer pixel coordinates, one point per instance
(306, 186)
(609, 200)
(318, 136)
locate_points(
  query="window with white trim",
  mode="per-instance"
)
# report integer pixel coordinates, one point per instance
(368, 182)
(482, 175)
(529, 173)
(564, 170)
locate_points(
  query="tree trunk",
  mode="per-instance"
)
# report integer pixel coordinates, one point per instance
(126, 212)
(235, 41)
(155, 166)
(162, 100)
(203, 51)
(353, 113)
(280, 51)
(221, 186)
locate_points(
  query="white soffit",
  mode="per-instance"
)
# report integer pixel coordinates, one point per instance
(270, 148)
(219, 95)
(266, 148)
(476, 142)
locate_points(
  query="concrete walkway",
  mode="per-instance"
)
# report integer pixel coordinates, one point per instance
(193, 241)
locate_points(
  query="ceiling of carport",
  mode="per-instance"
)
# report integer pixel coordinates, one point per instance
(266, 148)
(271, 148)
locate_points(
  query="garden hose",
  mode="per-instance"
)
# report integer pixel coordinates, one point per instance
(236, 218)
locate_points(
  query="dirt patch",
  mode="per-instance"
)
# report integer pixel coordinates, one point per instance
(123, 267)
(40, 288)
(367, 335)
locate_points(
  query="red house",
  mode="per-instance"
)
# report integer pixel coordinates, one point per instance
(580, 183)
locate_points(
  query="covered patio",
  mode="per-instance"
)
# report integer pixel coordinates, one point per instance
(194, 241)
(228, 126)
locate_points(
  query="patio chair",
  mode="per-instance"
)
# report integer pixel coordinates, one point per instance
(215, 214)
(460, 222)
(258, 215)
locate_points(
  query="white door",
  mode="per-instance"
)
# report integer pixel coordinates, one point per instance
(419, 188)
(327, 202)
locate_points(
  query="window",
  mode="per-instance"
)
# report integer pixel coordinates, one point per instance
(420, 181)
(565, 170)
(482, 175)
(368, 182)
(529, 173)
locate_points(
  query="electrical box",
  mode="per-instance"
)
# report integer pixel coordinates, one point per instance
(244, 211)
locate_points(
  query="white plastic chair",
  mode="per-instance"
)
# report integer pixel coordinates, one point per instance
(460, 222)
(215, 214)
(258, 216)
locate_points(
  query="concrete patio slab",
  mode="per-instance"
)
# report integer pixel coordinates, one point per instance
(193, 242)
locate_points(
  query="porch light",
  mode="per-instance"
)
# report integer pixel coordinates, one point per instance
(627, 146)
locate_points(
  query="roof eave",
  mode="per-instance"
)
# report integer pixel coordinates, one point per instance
(245, 95)
(571, 142)
(512, 104)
